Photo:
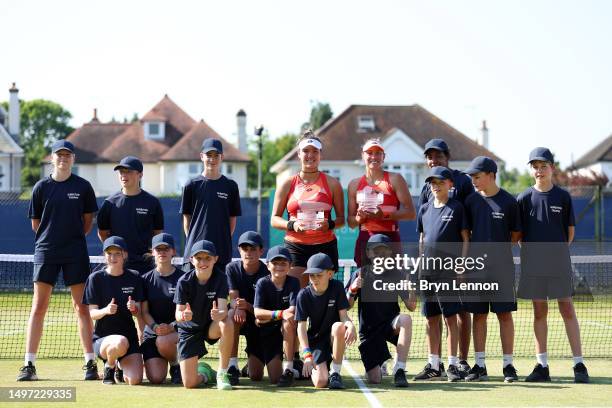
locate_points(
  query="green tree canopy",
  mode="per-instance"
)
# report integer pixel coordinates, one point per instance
(320, 112)
(273, 151)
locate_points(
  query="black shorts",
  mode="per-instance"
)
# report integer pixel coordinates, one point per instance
(546, 287)
(434, 308)
(373, 346)
(191, 344)
(271, 342)
(148, 348)
(486, 307)
(252, 334)
(300, 253)
(132, 348)
(73, 273)
(321, 350)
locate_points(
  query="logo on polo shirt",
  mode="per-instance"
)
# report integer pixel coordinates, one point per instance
(210, 295)
(172, 289)
(128, 290)
(73, 196)
(498, 215)
(447, 218)
(142, 211)
(331, 303)
(222, 195)
(286, 299)
(556, 209)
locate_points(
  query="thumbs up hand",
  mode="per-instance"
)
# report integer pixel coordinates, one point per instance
(111, 308)
(215, 314)
(131, 305)
(187, 313)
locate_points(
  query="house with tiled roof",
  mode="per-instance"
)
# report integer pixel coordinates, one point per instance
(598, 160)
(11, 154)
(403, 132)
(168, 142)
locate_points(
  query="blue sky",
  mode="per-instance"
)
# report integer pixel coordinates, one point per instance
(537, 71)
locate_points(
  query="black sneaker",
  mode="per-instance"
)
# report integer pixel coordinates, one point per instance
(510, 374)
(91, 371)
(175, 374)
(27, 373)
(119, 375)
(335, 382)
(109, 375)
(477, 373)
(399, 378)
(581, 375)
(234, 375)
(428, 374)
(464, 368)
(286, 379)
(298, 365)
(452, 373)
(442, 370)
(539, 374)
(245, 371)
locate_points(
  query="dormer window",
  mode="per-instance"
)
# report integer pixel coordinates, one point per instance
(155, 130)
(365, 123)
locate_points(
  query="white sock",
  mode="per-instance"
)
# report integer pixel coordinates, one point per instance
(480, 358)
(398, 365)
(453, 360)
(31, 357)
(233, 362)
(221, 371)
(335, 368)
(434, 360)
(542, 359)
(89, 356)
(578, 360)
(287, 365)
(507, 359)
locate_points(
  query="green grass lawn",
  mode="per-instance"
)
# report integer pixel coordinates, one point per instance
(561, 392)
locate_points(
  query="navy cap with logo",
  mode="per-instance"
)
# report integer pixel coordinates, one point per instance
(440, 173)
(481, 163)
(116, 242)
(436, 144)
(318, 263)
(278, 251)
(130, 163)
(541, 154)
(62, 145)
(251, 238)
(162, 239)
(203, 246)
(212, 144)
(378, 240)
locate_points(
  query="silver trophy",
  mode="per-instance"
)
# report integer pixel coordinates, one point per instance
(311, 220)
(369, 199)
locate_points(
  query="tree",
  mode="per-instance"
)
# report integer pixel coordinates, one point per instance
(320, 113)
(272, 151)
(514, 181)
(42, 123)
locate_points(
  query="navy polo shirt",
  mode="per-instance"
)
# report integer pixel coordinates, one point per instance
(101, 288)
(60, 207)
(200, 297)
(211, 203)
(462, 188)
(238, 279)
(269, 297)
(322, 310)
(134, 218)
(159, 293)
(546, 216)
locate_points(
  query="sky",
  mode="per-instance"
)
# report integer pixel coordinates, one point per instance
(538, 71)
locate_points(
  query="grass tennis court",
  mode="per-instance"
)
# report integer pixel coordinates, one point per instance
(561, 392)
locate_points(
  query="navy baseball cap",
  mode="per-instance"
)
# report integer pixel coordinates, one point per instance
(162, 239)
(278, 251)
(436, 144)
(481, 163)
(114, 241)
(440, 173)
(318, 263)
(251, 238)
(203, 246)
(212, 144)
(541, 154)
(62, 145)
(377, 240)
(130, 163)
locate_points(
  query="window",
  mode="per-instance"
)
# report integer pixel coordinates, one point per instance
(195, 168)
(229, 169)
(365, 124)
(332, 172)
(154, 130)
